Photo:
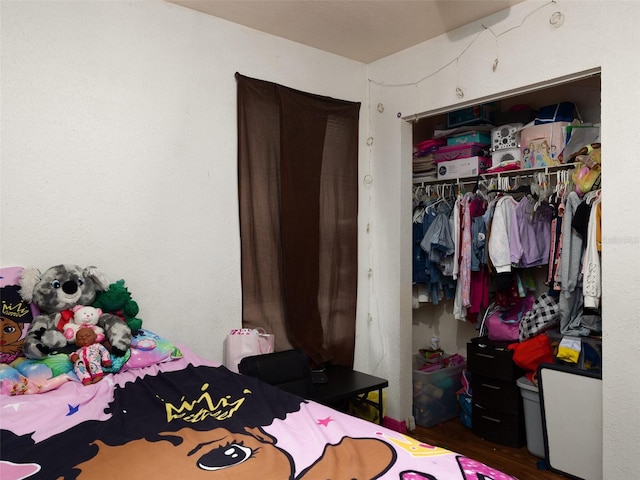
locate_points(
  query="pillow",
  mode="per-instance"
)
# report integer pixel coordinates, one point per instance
(147, 348)
(44, 368)
(25, 376)
(16, 315)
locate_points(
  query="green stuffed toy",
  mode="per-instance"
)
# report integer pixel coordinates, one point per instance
(117, 300)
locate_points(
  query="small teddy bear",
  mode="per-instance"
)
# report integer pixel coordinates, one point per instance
(83, 316)
(90, 357)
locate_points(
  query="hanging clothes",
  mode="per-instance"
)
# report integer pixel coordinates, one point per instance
(499, 238)
(455, 234)
(465, 250)
(484, 243)
(479, 276)
(421, 223)
(438, 245)
(555, 246)
(433, 248)
(437, 241)
(530, 235)
(580, 266)
(571, 247)
(591, 265)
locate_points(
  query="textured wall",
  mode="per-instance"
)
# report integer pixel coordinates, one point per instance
(531, 50)
(119, 148)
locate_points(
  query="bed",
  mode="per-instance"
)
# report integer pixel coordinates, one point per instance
(167, 413)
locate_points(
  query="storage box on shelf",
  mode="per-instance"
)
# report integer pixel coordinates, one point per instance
(463, 150)
(434, 393)
(497, 413)
(470, 137)
(474, 115)
(541, 145)
(463, 167)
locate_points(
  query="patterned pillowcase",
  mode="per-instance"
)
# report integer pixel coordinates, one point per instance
(147, 348)
(16, 315)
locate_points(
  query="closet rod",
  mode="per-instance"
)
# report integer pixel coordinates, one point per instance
(486, 176)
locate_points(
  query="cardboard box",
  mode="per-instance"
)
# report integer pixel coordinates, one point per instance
(464, 167)
(542, 145)
(464, 150)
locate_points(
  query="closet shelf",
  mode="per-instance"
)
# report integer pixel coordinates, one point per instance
(484, 176)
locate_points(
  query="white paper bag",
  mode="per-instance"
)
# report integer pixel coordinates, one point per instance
(244, 342)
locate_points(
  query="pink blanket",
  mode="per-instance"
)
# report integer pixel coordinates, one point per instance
(191, 418)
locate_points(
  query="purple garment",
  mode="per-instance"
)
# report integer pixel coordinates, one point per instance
(530, 234)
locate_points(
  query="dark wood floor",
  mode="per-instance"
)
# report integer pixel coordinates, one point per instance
(517, 462)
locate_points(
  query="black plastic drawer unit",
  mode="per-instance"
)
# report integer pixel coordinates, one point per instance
(497, 412)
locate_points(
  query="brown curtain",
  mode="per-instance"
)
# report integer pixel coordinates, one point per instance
(298, 193)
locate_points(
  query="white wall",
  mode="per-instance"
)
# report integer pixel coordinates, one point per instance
(531, 50)
(119, 148)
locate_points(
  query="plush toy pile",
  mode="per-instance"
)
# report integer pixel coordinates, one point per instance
(56, 292)
(70, 319)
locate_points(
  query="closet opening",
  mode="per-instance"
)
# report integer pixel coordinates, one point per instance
(437, 320)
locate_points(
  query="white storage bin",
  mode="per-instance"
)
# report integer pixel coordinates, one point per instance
(532, 417)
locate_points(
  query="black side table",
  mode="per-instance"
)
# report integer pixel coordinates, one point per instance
(344, 383)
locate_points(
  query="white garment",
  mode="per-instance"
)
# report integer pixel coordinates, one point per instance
(499, 252)
(592, 287)
(459, 311)
(455, 234)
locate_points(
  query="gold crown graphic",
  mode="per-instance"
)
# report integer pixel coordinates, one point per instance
(204, 407)
(17, 310)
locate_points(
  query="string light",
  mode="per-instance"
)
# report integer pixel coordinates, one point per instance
(556, 19)
(373, 308)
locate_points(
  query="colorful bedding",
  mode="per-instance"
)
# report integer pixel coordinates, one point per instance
(26, 376)
(189, 419)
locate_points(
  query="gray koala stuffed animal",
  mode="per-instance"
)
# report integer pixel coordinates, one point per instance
(56, 292)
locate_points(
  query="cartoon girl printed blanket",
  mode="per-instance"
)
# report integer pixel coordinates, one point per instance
(15, 316)
(184, 419)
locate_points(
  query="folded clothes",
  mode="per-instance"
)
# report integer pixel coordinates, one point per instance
(569, 349)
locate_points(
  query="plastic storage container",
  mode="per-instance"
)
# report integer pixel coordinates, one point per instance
(532, 417)
(434, 393)
(469, 137)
